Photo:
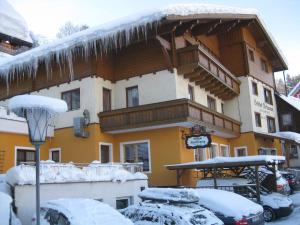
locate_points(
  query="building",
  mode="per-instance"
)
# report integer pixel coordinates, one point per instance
(295, 91)
(134, 90)
(14, 33)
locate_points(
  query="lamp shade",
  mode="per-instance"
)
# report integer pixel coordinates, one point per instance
(39, 112)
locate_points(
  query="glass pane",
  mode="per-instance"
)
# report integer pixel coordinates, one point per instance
(132, 97)
(135, 153)
(55, 156)
(67, 98)
(106, 99)
(105, 154)
(75, 99)
(200, 154)
(122, 203)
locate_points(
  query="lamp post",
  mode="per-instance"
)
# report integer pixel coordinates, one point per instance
(39, 112)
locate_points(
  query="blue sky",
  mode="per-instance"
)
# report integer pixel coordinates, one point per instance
(46, 16)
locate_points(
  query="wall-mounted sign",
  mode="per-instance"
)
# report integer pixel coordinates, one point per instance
(198, 141)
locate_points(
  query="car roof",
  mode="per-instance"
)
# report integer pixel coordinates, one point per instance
(87, 211)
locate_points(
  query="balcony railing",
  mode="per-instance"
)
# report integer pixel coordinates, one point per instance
(176, 112)
(200, 66)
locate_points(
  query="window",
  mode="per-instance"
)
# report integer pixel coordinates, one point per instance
(293, 152)
(268, 96)
(271, 124)
(191, 93)
(267, 151)
(240, 151)
(106, 99)
(132, 96)
(137, 152)
(222, 107)
(105, 153)
(72, 99)
(200, 154)
(122, 203)
(264, 65)
(224, 150)
(254, 88)
(286, 119)
(211, 103)
(213, 151)
(25, 156)
(55, 155)
(257, 120)
(251, 55)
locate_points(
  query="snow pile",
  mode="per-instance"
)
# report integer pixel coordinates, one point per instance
(116, 34)
(87, 212)
(289, 135)
(4, 187)
(51, 172)
(12, 23)
(11, 116)
(227, 203)
(5, 204)
(169, 194)
(293, 101)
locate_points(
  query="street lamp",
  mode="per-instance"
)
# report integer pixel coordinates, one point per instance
(39, 112)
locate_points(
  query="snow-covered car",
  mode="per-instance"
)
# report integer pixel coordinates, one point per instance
(275, 205)
(291, 179)
(7, 216)
(231, 208)
(79, 212)
(169, 207)
(283, 186)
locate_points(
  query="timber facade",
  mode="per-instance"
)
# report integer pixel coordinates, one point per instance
(144, 98)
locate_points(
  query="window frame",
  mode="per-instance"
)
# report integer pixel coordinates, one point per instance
(22, 148)
(266, 90)
(228, 150)
(236, 150)
(129, 198)
(70, 91)
(122, 151)
(254, 90)
(53, 150)
(110, 151)
(251, 55)
(264, 65)
(191, 95)
(110, 97)
(273, 119)
(255, 114)
(209, 100)
(130, 88)
(217, 151)
(205, 154)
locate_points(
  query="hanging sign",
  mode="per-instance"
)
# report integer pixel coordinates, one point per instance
(198, 141)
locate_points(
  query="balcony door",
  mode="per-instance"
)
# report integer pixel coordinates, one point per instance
(106, 99)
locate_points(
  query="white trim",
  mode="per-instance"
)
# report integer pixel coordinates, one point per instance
(218, 149)
(110, 150)
(136, 142)
(52, 150)
(235, 150)
(228, 148)
(21, 147)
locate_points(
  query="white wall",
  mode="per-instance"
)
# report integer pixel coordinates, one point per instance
(107, 191)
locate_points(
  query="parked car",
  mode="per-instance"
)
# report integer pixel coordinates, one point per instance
(291, 179)
(282, 184)
(231, 208)
(7, 216)
(79, 212)
(169, 207)
(275, 205)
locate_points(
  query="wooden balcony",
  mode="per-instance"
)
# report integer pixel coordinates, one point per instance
(180, 112)
(198, 65)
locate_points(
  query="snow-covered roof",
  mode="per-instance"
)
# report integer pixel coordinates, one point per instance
(295, 89)
(12, 23)
(293, 101)
(87, 211)
(262, 159)
(227, 203)
(120, 33)
(63, 173)
(289, 135)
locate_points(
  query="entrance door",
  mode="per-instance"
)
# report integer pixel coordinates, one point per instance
(105, 153)
(106, 99)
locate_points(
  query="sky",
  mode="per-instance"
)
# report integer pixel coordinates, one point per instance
(44, 17)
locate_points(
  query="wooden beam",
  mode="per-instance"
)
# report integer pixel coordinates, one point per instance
(195, 73)
(163, 42)
(205, 82)
(204, 28)
(185, 27)
(201, 77)
(230, 25)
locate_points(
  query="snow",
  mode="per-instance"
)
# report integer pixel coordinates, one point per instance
(86, 211)
(227, 203)
(53, 105)
(5, 204)
(289, 135)
(169, 194)
(115, 34)
(266, 158)
(4, 187)
(12, 23)
(293, 101)
(51, 172)
(294, 90)
(10, 116)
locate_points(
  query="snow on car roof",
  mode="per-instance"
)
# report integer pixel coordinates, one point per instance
(87, 212)
(169, 194)
(180, 213)
(227, 203)
(109, 34)
(51, 172)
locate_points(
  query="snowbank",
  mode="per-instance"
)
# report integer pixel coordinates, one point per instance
(116, 34)
(227, 203)
(87, 212)
(169, 194)
(51, 172)
(5, 204)
(4, 187)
